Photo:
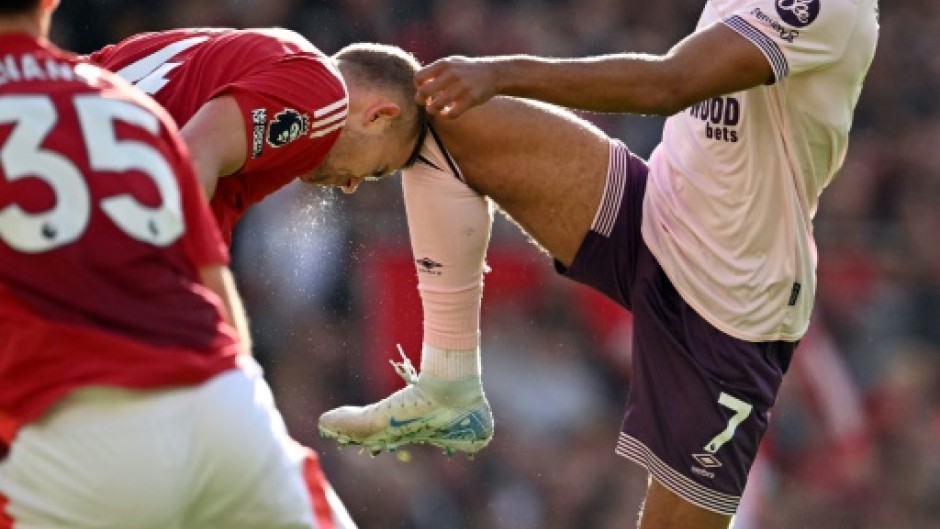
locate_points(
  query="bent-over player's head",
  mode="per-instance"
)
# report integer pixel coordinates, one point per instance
(385, 126)
(31, 16)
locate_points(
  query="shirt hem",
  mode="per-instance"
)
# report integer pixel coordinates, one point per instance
(730, 330)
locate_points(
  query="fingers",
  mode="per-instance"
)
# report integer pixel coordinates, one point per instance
(430, 71)
(427, 91)
(447, 104)
(450, 86)
(455, 108)
(431, 79)
(444, 96)
(430, 82)
(441, 87)
(442, 101)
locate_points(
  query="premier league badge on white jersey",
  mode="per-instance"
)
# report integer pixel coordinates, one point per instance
(798, 13)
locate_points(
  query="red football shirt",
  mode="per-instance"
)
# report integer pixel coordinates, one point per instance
(103, 227)
(292, 98)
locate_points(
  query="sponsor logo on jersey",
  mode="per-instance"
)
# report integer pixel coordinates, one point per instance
(259, 118)
(287, 126)
(798, 13)
(428, 266)
(721, 116)
(785, 33)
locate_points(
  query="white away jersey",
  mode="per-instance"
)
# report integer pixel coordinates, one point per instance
(735, 183)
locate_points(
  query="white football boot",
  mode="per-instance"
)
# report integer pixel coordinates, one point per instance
(457, 419)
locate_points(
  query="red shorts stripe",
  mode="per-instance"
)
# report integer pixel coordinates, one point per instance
(6, 521)
(316, 486)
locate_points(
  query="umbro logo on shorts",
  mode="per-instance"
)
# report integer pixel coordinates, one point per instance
(707, 460)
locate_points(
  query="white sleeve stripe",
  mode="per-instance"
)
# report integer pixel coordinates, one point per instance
(324, 132)
(325, 121)
(606, 216)
(330, 108)
(778, 61)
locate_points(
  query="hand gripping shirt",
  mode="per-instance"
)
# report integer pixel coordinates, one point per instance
(292, 99)
(736, 181)
(103, 229)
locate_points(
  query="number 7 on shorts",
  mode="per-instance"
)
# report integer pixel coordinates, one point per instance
(741, 411)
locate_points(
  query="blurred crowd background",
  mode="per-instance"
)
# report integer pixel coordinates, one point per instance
(329, 285)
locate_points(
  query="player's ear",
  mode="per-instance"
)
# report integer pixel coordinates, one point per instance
(382, 111)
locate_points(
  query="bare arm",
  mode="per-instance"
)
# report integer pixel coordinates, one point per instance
(215, 136)
(219, 280)
(708, 63)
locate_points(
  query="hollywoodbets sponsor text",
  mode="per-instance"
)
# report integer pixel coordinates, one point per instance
(721, 116)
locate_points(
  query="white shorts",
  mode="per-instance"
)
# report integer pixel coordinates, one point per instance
(211, 456)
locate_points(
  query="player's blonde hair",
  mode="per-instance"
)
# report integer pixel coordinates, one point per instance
(385, 67)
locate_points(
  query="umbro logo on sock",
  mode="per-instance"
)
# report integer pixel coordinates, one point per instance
(428, 265)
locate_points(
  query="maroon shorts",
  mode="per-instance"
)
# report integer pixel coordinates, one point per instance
(699, 399)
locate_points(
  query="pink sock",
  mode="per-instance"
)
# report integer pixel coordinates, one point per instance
(449, 225)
